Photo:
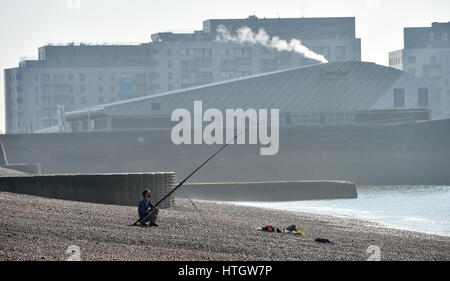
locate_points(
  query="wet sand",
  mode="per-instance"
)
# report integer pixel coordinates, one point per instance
(35, 228)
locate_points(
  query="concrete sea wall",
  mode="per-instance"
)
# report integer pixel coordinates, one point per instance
(416, 153)
(117, 189)
(271, 191)
(33, 168)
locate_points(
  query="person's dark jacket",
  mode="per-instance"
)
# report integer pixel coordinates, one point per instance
(144, 204)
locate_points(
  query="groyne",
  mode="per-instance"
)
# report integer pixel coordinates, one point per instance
(117, 188)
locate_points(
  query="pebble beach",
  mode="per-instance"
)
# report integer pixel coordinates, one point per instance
(36, 228)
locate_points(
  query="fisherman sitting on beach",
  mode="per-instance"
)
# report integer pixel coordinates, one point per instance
(146, 206)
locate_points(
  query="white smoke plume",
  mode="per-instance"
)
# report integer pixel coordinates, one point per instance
(246, 35)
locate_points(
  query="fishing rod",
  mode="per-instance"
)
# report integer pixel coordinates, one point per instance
(183, 181)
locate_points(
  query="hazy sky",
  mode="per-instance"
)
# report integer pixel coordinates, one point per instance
(27, 24)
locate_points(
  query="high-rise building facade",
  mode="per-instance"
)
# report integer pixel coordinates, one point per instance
(426, 54)
(77, 76)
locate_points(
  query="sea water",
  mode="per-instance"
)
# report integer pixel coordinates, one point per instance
(417, 208)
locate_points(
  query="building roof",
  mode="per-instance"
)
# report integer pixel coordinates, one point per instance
(287, 28)
(340, 87)
(435, 37)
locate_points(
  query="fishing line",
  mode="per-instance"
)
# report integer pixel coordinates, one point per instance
(183, 181)
(195, 206)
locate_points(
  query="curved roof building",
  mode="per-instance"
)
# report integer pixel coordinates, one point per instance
(336, 91)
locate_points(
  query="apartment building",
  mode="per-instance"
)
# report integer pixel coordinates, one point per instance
(426, 54)
(74, 76)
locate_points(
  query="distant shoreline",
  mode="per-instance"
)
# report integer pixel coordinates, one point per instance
(35, 228)
(413, 208)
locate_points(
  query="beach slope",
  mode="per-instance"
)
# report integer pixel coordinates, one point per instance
(35, 228)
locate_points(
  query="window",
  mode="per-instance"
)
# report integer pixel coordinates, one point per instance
(266, 65)
(422, 96)
(45, 78)
(141, 89)
(444, 36)
(228, 52)
(141, 77)
(154, 87)
(82, 77)
(288, 119)
(100, 100)
(399, 97)
(412, 70)
(411, 59)
(75, 125)
(326, 51)
(340, 53)
(433, 60)
(156, 106)
(242, 52)
(100, 124)
(330, 118)
(322, 118)
(153, 75)
(45, 89)
(83, 100)
(59, 77)
(187, 52)
(282, 61)
(83, 89)
(203, 53)
(189, 65)
(84, 125)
